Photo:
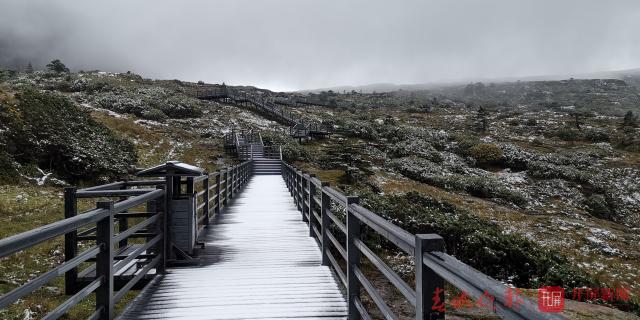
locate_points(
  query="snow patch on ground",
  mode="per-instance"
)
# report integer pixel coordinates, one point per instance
(109, 112)
(513, 177)
(150, 123)
(43, 179)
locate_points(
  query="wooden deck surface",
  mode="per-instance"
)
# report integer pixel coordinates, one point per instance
(259, 263)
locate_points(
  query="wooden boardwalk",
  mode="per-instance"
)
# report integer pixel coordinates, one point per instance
(258, 263)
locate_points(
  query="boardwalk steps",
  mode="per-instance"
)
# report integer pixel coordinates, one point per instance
(263, 166)
(248, 145)
(299, 127)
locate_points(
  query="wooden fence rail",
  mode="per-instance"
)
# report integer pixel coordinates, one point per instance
(336, 221)
(103, 252)
(111, 255)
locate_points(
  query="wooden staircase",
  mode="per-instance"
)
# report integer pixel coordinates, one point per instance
(299, 127)
(248, 145)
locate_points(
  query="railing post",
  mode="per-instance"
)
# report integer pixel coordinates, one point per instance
(428, 283)
(205, 185)
(230, 179)
(295, 187)
(353, 259)
(239, 175)
(234, 181)
(159, 207)
(245, 172)
(290, 173)
(226, 187)
(123, 223)
(300, 189)
(286, 176)
(70, 240)
(325, 203)
(229, 182)
(104, 262)
(312, 192)
(219, 172)
(303, 195)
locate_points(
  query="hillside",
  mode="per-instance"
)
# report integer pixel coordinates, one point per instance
(534, 183)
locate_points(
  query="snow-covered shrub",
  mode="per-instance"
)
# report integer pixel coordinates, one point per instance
(51, 132)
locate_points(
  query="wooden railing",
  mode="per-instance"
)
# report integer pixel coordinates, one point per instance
(248, 136)
(336, 221)
(250, 152)
(101, 221)
(213, 191)
(269, 107)
(112, 255)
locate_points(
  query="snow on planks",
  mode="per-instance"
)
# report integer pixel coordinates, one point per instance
(258, 263)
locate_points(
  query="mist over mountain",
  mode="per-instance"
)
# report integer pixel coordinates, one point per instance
(295, 45)
(630, 75)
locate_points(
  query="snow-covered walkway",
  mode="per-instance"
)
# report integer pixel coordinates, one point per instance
(259, 262)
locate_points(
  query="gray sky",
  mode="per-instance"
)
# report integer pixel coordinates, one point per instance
(301, 44)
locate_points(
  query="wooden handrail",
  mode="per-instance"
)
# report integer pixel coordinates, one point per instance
(103, 217)
(303, 129)
(433, 265)
(99, 224)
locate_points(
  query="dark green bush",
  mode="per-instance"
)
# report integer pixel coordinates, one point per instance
(154, 114)
(464, 142)
(291, 150)
(598, 206)
(57, 66)
(479, 242)
(596, 135)
(479, 186)
(180, 107)
(7, 74)
(485, 187)
(628, 139)
(486, 154)
(546, 170)
(8, 172)
(568, 134)
(51, 132)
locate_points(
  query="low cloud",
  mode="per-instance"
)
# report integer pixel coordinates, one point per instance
(303, 44)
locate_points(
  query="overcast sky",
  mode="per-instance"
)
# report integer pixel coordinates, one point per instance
(300, 44)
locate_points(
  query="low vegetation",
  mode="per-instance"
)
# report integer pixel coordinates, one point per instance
(533, 183)
(48, 132)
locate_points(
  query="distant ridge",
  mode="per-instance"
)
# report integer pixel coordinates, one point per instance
(388, 87)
